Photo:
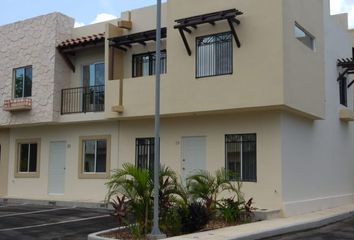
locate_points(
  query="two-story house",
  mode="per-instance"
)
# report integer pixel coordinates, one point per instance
(262, 88)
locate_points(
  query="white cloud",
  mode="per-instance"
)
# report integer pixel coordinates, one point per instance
(102, 17)
(79, 24)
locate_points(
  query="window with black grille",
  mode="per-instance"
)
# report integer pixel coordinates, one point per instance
(241, 156)
(144, 153)
(214, 55)
(144, 64)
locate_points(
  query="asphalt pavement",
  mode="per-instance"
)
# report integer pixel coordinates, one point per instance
(32, 222)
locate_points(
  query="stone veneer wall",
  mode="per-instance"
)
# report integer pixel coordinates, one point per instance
(33, 42)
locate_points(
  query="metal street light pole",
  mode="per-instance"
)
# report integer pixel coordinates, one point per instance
(156, 233)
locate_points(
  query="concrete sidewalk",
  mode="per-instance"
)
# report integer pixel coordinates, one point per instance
(270, 228)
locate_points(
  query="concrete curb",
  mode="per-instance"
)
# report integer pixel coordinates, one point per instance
(306, 225)
(265, 229)
(94, 236)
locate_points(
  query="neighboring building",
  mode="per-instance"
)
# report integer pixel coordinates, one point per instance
(256, 93)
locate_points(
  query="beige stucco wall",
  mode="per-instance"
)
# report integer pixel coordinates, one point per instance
(254, 83)
(33, 42)
(4, 158)
(267, 190)
(75, 188)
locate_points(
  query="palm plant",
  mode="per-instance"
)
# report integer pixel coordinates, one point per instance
(136, 185)
(205, 186)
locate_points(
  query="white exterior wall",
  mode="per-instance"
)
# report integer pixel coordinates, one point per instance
(75, 188)
(318, 156)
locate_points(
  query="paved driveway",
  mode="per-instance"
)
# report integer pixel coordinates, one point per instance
(338, 231)
(27, 222)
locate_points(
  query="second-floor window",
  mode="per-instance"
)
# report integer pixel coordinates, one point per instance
(93, 75)
(144, 64)
(214, 55)
(23, 82)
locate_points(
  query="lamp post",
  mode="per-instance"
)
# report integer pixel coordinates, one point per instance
(156, 233)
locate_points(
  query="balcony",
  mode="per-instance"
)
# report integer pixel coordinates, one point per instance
(18, 104)
(83, 99)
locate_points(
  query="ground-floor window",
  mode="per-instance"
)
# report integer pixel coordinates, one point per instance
(144, 153)
(27, 155)
(94, 158)
(241, 157)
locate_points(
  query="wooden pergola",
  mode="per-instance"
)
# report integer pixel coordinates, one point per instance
(185, 24)
(126, 41)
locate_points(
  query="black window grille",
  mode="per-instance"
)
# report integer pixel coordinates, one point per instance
(214, 55)
(241, 156)
(144, 64)
(343, 94)
(144, 153)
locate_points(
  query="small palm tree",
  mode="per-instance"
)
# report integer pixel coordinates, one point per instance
(205, 186)
(136, 185)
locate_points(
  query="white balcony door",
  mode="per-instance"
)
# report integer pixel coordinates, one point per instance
(56, 174)
(193, 155)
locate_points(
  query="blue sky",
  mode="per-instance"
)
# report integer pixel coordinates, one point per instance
(89, 11)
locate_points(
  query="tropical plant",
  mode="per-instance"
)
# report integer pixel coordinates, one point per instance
(136, 185)
(193, 217)
(121, 208)
(230, 210)
(207, 187)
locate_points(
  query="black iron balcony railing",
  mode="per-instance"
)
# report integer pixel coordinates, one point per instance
(82, 99)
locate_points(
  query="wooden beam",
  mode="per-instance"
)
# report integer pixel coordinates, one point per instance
(185, 41)
(236, 21)
(187, 30)
(238, 43)
(67, 61)
(142, 43)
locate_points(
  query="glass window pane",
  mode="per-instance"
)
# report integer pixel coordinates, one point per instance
(28, 82)
(24, 149)
(233, 159)
(99, 74)
(33, 158)
(249, 161)
(101, 156)
(89, 155)
(19, 77)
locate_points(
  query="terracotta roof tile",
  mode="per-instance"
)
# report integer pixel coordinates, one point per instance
(82, 40)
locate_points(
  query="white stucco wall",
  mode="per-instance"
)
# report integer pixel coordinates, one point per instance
(33, 42)
(318, 156)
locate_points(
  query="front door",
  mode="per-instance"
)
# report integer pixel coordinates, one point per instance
(193, 155)
(56, 174)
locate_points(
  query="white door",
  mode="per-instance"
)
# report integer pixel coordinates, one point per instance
(56, 174)
(193, 155)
